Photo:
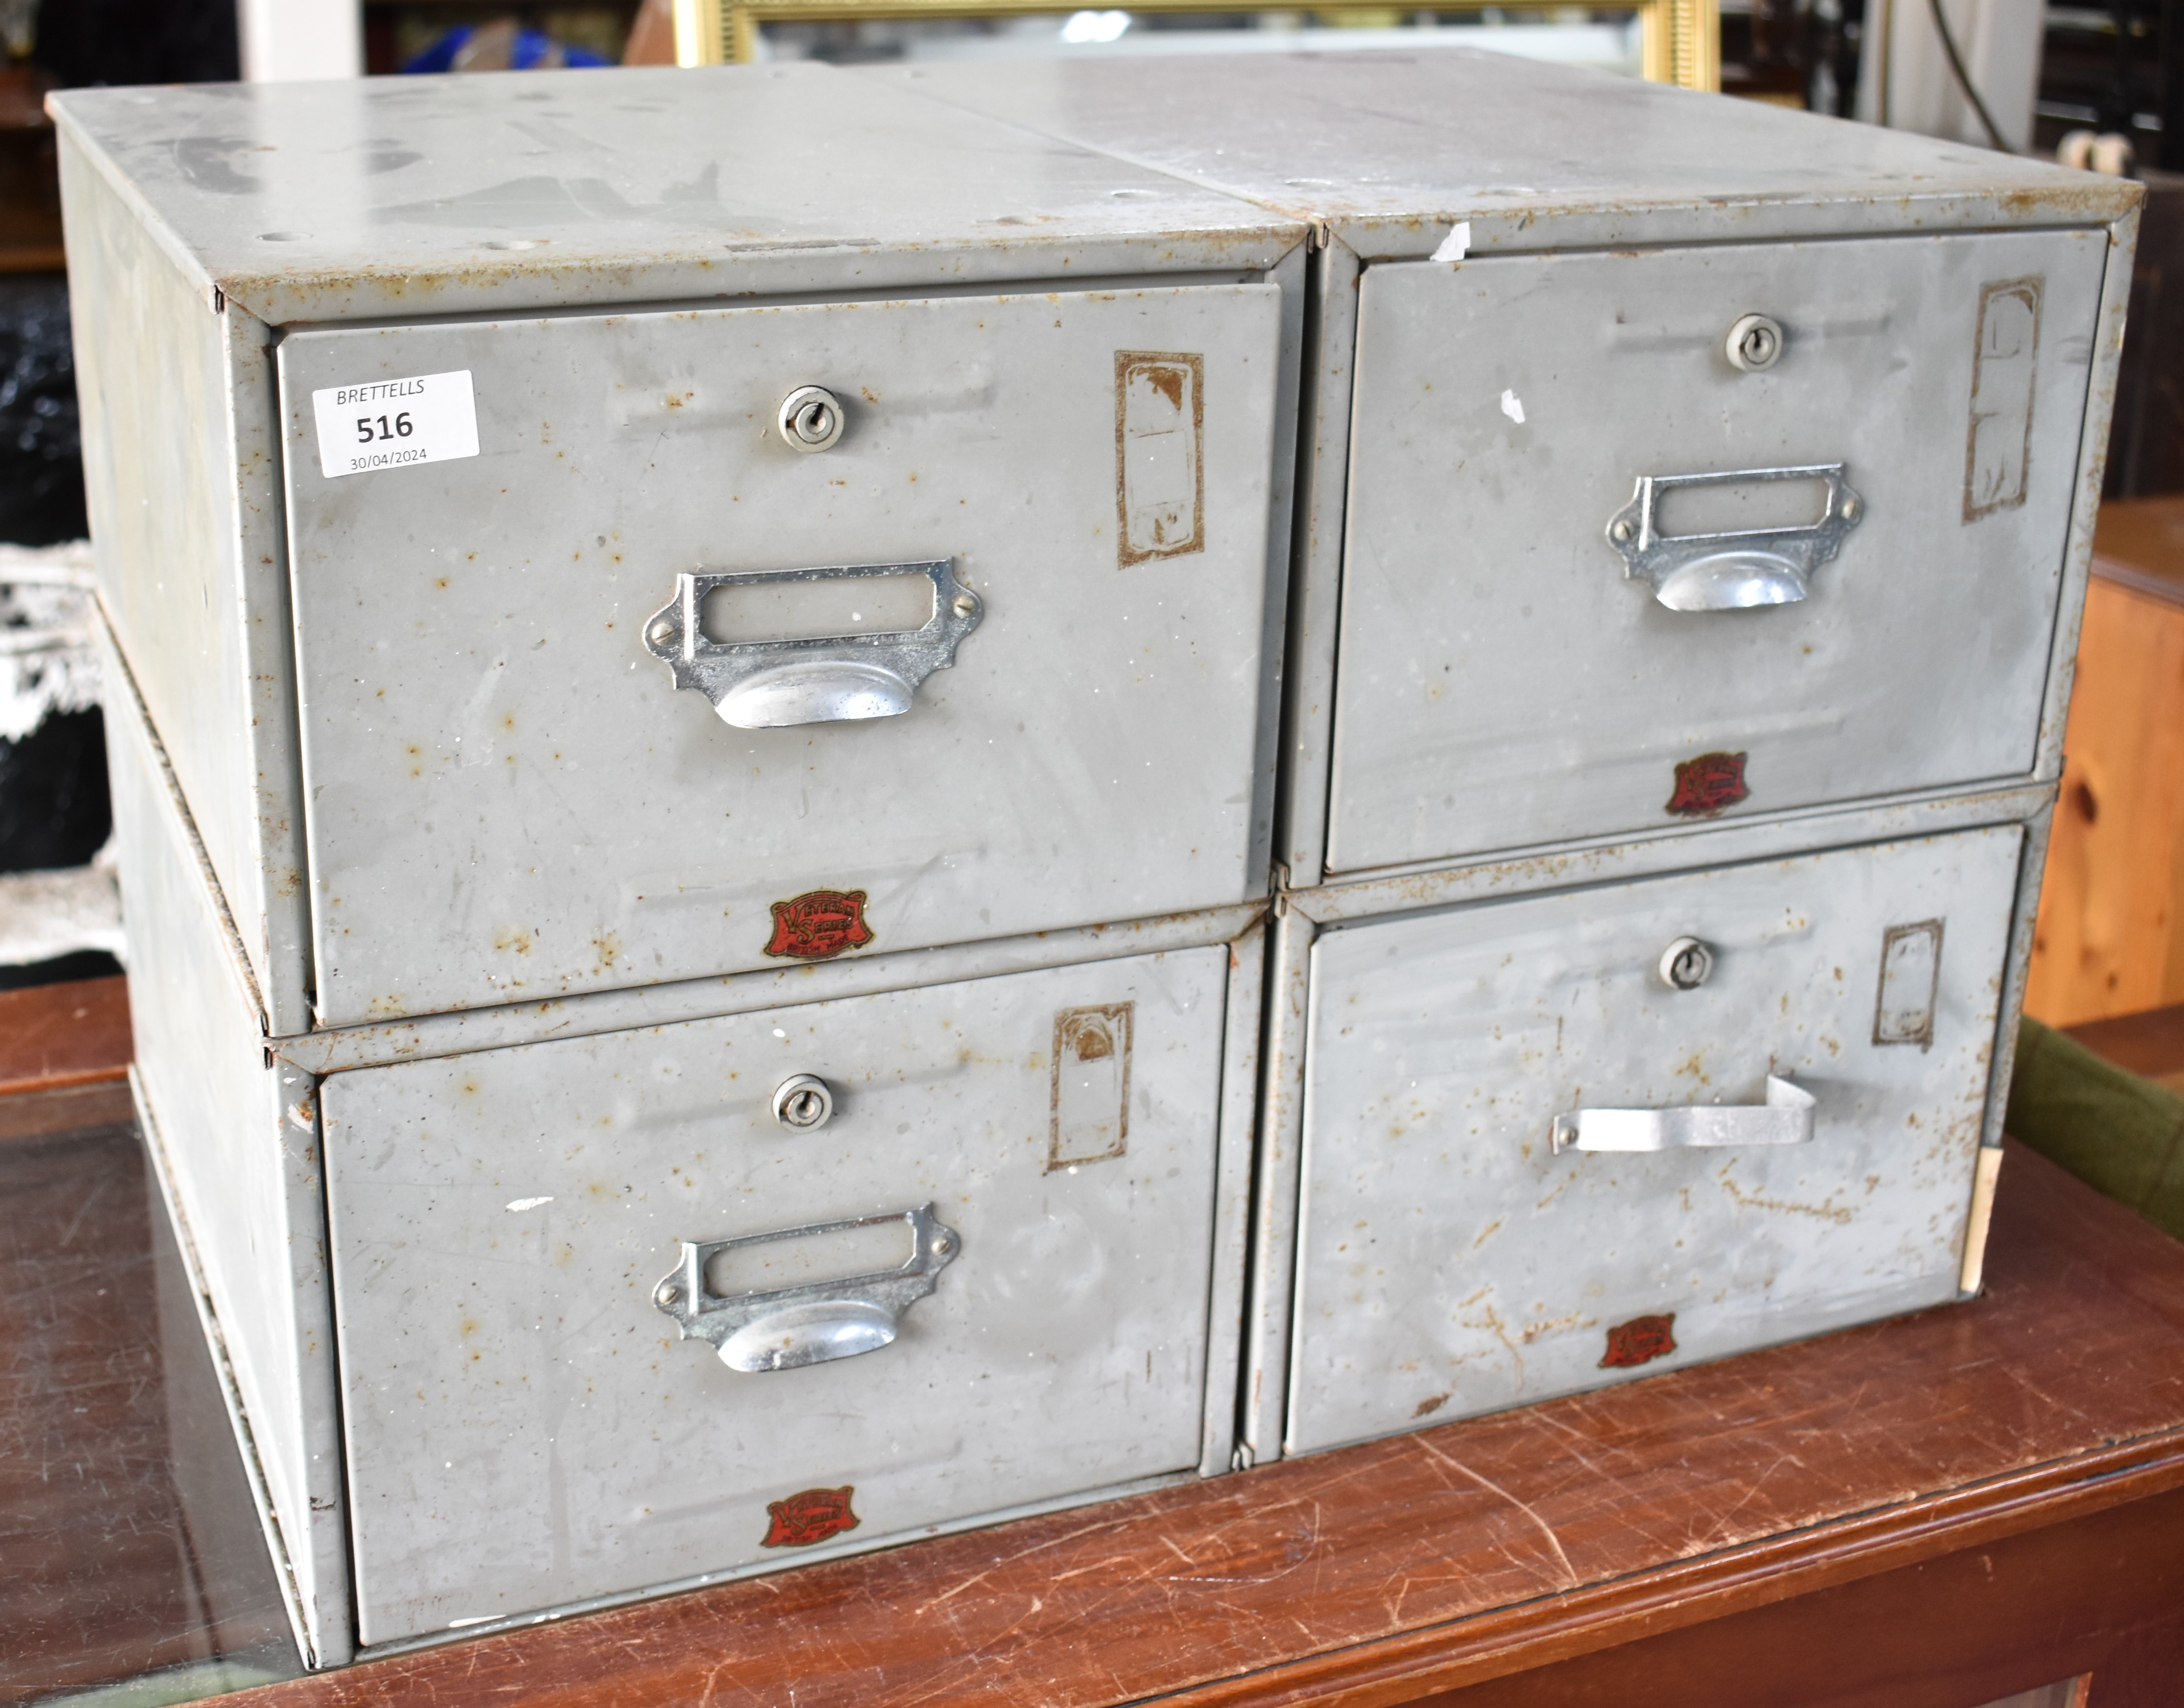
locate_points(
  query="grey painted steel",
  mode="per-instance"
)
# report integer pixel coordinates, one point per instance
(506, 797)
(1316, 579)
(1455, 154)
(397, 199)
(181, 461)
(1389, 150)
(1608, 860)
(500, 1221)
(1451, 1263)
(2085, 504)
(1919, 658)
(338, 1049)
(645, 186)
(1240, 1067)
(1266, 1303)
(239, 1158)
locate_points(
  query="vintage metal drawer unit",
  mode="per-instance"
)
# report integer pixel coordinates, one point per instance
(696, 744)
(471, 1300)
(459, 450)
(1662, 1120)
(1667, 460)
(1687, 487)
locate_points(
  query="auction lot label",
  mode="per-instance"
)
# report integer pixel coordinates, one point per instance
(395, 423)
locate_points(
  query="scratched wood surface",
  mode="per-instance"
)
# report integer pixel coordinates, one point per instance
(1389, 1572)
(56, 1036)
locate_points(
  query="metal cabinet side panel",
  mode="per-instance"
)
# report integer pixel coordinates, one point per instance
(240, 1153)
(153, 374)
(1504, 684)
(2086, 497)
(525, 1428)
(508, 800)
(1450, 1264)
(1316, 585)
(1242, 1026)
(273, 904)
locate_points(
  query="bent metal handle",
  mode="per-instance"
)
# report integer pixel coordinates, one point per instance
(787, 1327)
(826, 678)
(1733, 570)
(1784, 1118)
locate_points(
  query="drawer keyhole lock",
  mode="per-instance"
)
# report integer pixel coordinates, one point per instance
(1685, 964)
(1755, 343)
(810, 419)
(803, 1103)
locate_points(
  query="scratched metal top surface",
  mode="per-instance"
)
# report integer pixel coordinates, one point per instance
(397, 197)
(1390, 148)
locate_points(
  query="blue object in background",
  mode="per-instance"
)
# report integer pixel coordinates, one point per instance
(532, 50)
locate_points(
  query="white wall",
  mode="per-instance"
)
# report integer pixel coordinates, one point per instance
(2000, 40)
(290, 40)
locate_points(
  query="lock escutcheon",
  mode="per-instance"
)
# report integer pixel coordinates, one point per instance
(802, 1102)
(1754, 343)
(810, 419)
(1685, 964)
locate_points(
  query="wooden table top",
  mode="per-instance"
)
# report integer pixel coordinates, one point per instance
(1474, 1551)
(2139, 543)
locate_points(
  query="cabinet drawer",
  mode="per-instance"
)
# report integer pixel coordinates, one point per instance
(509, 797)
(1454, 1260)
(525, 1426)
(1511, 675)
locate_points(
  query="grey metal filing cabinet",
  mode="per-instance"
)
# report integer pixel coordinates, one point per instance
(695, 750)
(1694, 510)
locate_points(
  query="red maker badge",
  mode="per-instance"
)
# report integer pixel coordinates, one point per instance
(819, 924)
(1640, 1341)
(1707, 784)
(811, 1516)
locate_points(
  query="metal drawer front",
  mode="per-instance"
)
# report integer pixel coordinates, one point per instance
(527, 1425)
(1524, 660)
(1508, 1193)
(998, 669)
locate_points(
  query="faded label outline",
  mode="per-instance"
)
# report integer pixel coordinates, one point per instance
(1117, 1024)
(1133, 364)
(1922, 1034)
(2006, 494)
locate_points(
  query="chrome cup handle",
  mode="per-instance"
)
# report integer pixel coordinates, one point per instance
(826, 679)
(1784, 1118)
(1734, 570)
(786, 1328)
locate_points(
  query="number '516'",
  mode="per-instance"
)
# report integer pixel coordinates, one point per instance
(401, 429)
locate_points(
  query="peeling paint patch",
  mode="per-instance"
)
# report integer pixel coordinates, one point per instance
(1707, 784)
(1640, 1341)
(809, 1517)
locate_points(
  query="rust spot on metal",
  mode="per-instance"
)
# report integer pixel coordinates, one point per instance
(809, 1517)
(1640, 1341)
(819, 924)
(1707, 784)
(1160, 457)
(1090, 1101)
